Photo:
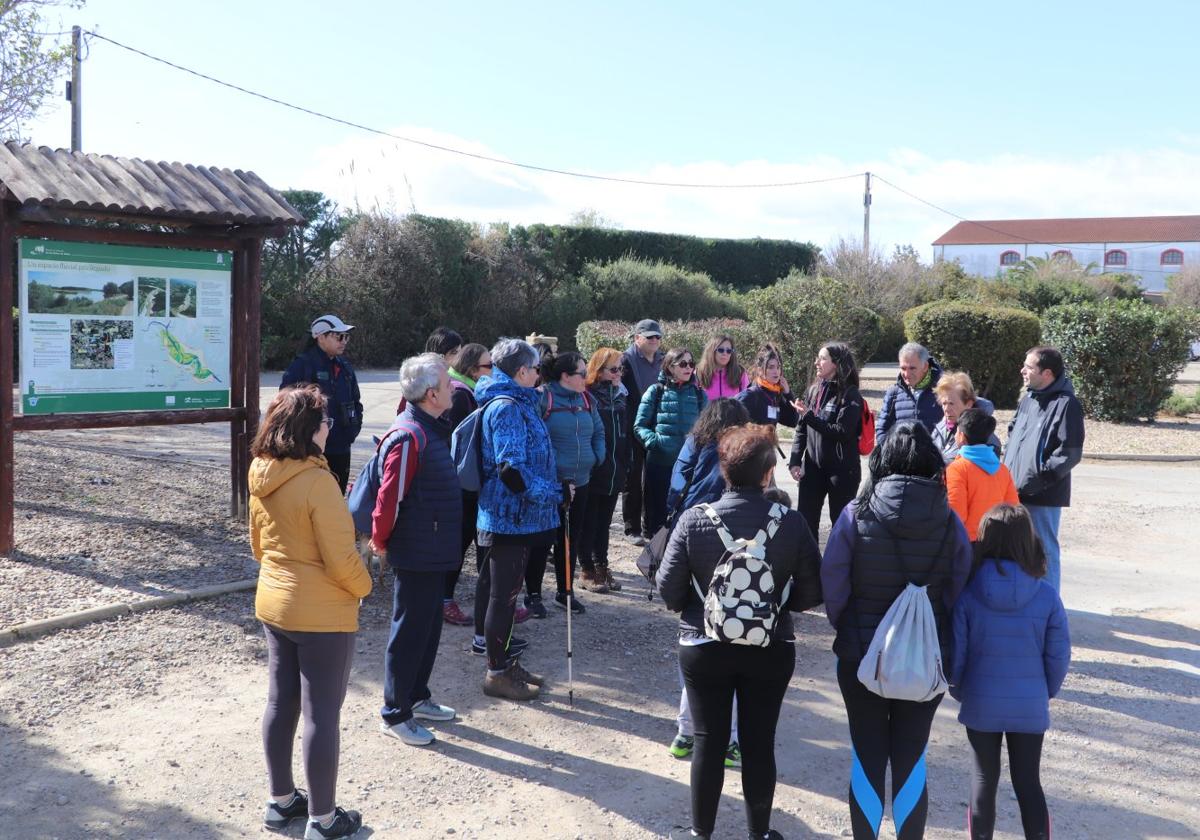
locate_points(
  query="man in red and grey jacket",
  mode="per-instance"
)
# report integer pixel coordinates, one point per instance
(416, 523)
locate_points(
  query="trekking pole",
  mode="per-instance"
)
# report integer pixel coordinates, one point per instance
(570, 599)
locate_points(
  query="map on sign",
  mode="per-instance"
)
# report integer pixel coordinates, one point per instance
(119, 328)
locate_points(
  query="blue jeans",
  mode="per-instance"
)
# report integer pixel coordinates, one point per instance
(1045, 525)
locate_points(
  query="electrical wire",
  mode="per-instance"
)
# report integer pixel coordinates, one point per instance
(528, 166)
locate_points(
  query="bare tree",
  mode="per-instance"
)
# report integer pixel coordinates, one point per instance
(31, 60)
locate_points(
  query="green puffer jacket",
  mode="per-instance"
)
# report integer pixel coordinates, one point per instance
(665, 415)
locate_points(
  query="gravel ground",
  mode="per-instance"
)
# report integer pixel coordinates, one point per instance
(147, 726)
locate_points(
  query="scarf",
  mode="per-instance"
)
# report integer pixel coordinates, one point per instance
(466, 380)
(774, 388)
(924, 383)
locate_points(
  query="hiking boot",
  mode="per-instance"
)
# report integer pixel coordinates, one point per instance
(508, 687)
(345, 824)
(278, 817)
(520, 616)
(682, 746)
(536, 608)
(560, 600)
(593, 581)
(733, 755)
(518, 671)
(428, 710)
(605, 574)
(452, 614)
(408, 731)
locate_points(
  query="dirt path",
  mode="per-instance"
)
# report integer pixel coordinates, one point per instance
(148, 726)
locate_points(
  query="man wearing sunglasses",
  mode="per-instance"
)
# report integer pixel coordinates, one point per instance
(323, 364)
(642, 364)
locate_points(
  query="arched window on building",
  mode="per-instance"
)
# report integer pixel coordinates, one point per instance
(1171, 256)
(1010, 258)
(1116, 257)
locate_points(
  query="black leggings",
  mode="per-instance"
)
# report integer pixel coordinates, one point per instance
(307, 672)
(1024, 766)
(536, 568)
(339, 465)
(632, 513)
(470, 507)
(593, 536)
(713, 673)
(884, 732)
(816, 484)
(505, 569)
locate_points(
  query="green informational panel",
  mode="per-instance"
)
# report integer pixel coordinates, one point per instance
(122, 328)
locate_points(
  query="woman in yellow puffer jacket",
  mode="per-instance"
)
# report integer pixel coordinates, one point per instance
(309, 586)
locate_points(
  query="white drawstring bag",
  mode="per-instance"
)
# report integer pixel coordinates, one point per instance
(904, 660)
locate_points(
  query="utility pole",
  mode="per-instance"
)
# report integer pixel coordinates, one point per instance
(867, 217)
(76, 96)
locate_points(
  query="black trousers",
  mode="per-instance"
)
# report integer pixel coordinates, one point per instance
(1024, 767)
(658, 485)
(713, 673)
(339, 465)
(413, 643)
(884, 732)
(593, 537)
(538, 554)
(470, 508)
(496, 594)
(816, 485)
(631, 501)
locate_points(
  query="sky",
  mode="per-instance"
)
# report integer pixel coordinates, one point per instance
(1017, 110)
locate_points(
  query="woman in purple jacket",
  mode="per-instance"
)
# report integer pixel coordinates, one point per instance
(1011, 652)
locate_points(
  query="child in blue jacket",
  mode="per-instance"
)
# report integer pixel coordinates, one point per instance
(1011, 652)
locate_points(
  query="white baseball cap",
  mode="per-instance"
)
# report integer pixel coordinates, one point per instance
(330, 323)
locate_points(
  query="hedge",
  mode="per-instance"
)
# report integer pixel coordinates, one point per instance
(800, 313)
(740, 263)
(629, 288)
(1123, 356)
(592, 335)
(988, 342)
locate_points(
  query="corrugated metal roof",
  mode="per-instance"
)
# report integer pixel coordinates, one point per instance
(1054, 231)
(38, 175)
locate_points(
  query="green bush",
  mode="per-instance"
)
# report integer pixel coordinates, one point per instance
(1177, 405)
(988, 342)
(693, 335)
(1036, 294)
(629, 288)
(799, 313)
(1123, 356)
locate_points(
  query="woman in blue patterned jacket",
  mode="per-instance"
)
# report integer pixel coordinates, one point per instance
(518, 502)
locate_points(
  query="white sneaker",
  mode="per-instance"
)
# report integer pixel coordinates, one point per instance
(410, 732)
(428, 710)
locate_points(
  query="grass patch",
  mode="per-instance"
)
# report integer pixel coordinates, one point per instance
(1177, 405)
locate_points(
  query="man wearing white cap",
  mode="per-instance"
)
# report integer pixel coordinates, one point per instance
(322, 364)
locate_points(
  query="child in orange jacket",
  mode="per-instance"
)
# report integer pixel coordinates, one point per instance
(976, 480)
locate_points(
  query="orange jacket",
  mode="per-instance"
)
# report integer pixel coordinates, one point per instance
(973, 492)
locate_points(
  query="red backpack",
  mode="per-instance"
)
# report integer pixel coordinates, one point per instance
(866, 439)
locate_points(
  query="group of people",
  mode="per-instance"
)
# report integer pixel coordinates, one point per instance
(691, 449)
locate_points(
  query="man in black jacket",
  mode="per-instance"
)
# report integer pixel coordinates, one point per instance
(642, 363)
(1045, 442)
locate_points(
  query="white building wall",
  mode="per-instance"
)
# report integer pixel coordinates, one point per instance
(1142, 258)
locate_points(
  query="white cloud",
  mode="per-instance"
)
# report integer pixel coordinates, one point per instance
(378, 172)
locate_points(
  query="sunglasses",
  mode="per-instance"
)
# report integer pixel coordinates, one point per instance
(614, 369)
(685, 363)
(724, 351)
(327, 422)
(340, 336)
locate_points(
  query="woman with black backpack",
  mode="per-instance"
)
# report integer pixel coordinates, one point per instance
(825, 460)
(899, 530)
(750, 653)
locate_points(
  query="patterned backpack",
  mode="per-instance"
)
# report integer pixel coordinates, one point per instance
(739, 607)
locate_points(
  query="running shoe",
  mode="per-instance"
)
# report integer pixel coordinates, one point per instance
(278, 817)
(408, 731)
(682, 746)
(428, 710)
(560, 600)
(453, 614)
(536, 608)
(733, 755)
(345, 824)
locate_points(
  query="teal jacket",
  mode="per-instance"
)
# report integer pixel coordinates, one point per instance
(576, 432)
(666, 415)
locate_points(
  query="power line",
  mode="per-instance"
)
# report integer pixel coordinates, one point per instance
(529, 166)
(1021, 239)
